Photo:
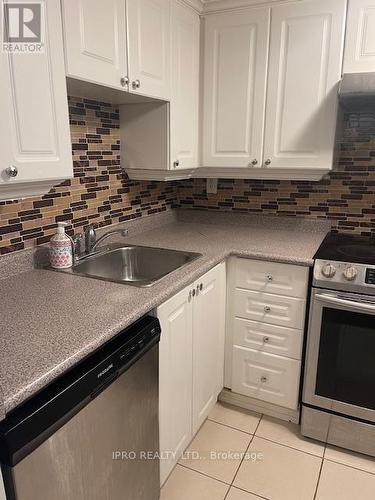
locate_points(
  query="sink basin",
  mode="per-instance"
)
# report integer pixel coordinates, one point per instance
(133, 265)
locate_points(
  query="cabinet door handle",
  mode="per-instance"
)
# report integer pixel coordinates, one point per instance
(176, 163)
(253, 163)
(268, 162)
(267, 309)
(201, 287)
(263, 379)
(193, 292)
(266, 340)
(11, 171)
(136, 84)
(189, 296)
(124, 81)
(269, 277)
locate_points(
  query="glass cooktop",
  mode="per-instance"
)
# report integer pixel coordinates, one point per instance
(348, 248)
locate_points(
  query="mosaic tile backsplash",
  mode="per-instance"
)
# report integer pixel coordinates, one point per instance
(100, 192)
(346, 196)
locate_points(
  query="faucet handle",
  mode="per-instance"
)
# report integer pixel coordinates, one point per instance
(90, 237)
(77, 241)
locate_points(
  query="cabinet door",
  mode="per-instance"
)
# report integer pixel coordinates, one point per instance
(34, 132)
(149, 47)
(184, 127)
(304, 71)
(360, 37)
(95, 40)
(175, 379)
(208, 343)
(235, 64)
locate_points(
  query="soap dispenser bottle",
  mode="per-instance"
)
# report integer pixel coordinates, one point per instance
(60, 252)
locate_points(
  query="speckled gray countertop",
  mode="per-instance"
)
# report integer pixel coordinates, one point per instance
(50, 320)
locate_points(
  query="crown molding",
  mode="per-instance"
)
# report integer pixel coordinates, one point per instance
(197, 5)
(212, 6)
(204, 7)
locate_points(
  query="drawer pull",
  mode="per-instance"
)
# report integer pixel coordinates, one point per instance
(267, 309)
(269, 277)
(266, 340)
(263, 379)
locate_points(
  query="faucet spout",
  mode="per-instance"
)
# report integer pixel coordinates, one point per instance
(122, 232)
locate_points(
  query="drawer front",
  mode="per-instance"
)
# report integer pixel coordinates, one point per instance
(266, 377)
(268, 308)
(268, 338)
(272, 277)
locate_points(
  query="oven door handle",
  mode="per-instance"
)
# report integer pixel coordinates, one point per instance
(353, 304)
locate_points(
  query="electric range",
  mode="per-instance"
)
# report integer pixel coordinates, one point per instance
(338, 404)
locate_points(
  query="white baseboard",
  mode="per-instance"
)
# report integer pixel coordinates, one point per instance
(227, 396)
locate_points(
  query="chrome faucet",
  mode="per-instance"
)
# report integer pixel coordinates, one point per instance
(89, 240)
(93, 242)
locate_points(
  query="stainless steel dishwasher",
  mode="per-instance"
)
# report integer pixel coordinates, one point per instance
(93, 434)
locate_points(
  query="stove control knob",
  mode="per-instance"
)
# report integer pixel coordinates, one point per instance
(350, 273)
(328, 270)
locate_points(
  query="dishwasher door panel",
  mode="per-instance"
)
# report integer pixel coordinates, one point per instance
(77, 462)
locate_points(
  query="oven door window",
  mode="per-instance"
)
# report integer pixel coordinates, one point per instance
(346, 363)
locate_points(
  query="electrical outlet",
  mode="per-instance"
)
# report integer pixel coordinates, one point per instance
(211, 186)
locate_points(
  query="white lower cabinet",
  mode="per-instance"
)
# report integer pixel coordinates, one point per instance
(208, 343)
(191, 359)
(274, 309)
(265, 376)
(271, 277)
(268, 338)
(265, 331)
(175, 378)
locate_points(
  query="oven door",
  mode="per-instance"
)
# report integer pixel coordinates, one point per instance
(340, 364)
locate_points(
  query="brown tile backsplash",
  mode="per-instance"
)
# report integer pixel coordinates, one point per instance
(346, 196)
(100, 192)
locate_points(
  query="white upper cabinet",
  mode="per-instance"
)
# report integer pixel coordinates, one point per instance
(35, 138)
(304, 71)
(184, 109)
(95, 41)
(360, 37)
(148, 24)
(235, 72)
(119, 44)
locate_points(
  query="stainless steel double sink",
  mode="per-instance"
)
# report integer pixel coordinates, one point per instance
(132, 265)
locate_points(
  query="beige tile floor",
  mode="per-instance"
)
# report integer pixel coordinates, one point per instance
(246, 456)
